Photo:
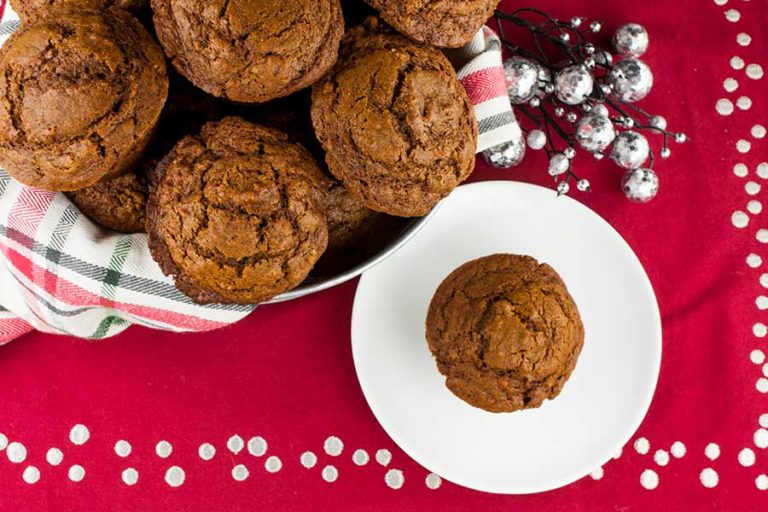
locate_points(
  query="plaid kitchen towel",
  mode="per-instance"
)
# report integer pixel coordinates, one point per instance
(61, 273)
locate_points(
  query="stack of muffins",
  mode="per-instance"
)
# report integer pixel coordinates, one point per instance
(215, 156)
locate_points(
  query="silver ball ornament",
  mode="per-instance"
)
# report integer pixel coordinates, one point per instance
(522, 77)
(595, 132)
(549, 88)
(640, 185)
(631, 80)
(505, 155)
(658, 122)
(537, 139)
(558, 164)
(603, 58)
(631, 40)
(600, 109)
(573, 84)
(545, 76)
(589, 48)
(630, 149)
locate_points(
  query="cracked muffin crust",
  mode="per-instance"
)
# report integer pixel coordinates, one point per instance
(31, 9)
(80, 95)
(444, 23)
(237, 213)
(396, 125)
(505, 332)
(247, 51)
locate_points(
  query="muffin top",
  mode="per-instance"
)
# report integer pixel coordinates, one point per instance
(396, 125)
(237, 214)
(80, 94)
(248, 51)
(505, 332)
(28, 9)
(445, 23)
(115, 203)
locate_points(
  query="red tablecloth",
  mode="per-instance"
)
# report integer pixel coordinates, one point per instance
(286, 372)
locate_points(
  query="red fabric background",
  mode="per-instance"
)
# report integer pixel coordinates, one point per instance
(286, 372)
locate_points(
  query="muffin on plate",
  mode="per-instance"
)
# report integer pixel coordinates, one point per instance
(505, 332)
(396, 125)
(31, 9)
(246, 51)
(80, 95)
(444, 23)
(237, 213)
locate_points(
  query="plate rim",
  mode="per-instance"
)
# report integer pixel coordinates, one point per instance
(655, 344)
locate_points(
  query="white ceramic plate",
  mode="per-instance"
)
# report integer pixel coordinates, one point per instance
(601, 405)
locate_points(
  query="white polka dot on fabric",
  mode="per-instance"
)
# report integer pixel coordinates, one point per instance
(330, 474)
(130, 476)
(762, 170)
(762, 385)
(360, 457)
(273, 464)
(240, 473)
(761, 302)
(54, 456)
(642, 446)
(649, 479)
(76, 473)
(709, 478)
(3, 442)
(732, 15)
(394, 478)
(744, 102)
(754, 260)
(761, 482)
(743, 146)
(333, 446)
(739, 219)
(123, 448)
(175, 476)
(721, 2)
(765, 369)
(31, 475)
(257, 446)
(763, 420)
(597, 474)
(760, 438)
(661, 457)
(737, 62)
(16, 452)
(678, 450)
(757, 356)
(433, 481)
(755, 207)
(724, 107)
(308, 460)
(758, 131)
(747, 457)
(206, 451)
(752, 188)
(744, 39)
(740, 170)
(235, 444)
(755, 71)
(383, 457)
(764, 280)
(163, 449)
(79, 434)
(760, 330)
(712, 451)
(730, 84)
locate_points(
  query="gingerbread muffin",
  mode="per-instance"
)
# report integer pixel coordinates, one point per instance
(247, 51)
(80, 94)
(444, 23)
(31, 9)
(396, 125)
(505, 332)
(349, 221)
(237, 213)
(115, 203)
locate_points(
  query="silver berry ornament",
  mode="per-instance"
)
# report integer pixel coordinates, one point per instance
(600, 109)
(558, 164)
(576, 21)
(571, 117)
(628, 122)
(562, 188)
(537, 139)
(631, 40)
(570, 153)
(595, 132)
(535, 102)
(665, 153)
(595, 27)
(505, 155)
(589, 48)
(640, 185)
(583, 185)
(573, 84)
(630, 149)
(658, 122)
(631, 80)
(565, 37)
(559, 111)
(680, 138)
(545, 76)
(603, 58)
(522, 77)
